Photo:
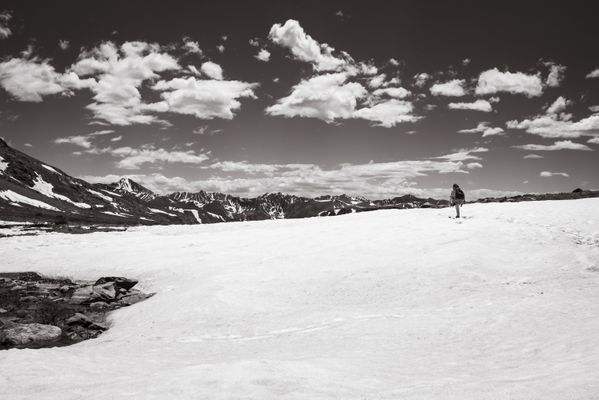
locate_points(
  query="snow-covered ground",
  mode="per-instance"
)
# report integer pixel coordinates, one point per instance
(381, 305)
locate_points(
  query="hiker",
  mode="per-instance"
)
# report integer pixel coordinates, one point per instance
(457, 198)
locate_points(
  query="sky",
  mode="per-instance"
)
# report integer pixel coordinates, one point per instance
(377, 98)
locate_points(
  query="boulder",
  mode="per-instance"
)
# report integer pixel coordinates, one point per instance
(133, 298)
(98, 305)
(104, 292)
(120, 282)
(82, 294)
(27, 334)
(86, 322)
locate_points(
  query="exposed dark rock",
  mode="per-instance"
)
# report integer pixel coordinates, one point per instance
(29, 334)
(77, 310)
(120, 282)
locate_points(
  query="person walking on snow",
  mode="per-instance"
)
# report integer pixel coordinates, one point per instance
(457, 198)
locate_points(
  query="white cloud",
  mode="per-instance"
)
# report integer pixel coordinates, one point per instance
(220, 48)
(465, 62)
(5, 31)
(327, 97)
(549, 126)
(64, 44)
(547, 174)
(393, 62)
(120, 73)
(593, 74)
(397, 92)
(292, 36)
(254, 42)
(374, 180)
(558, 105)
(134, 158)
(464, 154)
(78, 140)
(453, 88)
(532, 156)
(594, 109)
(212, 70)
(421, 79)
(594, 140)
(388, 113)
(556, 74)
(191, 46)
(474, 165)
(205, 99)
(263, 55)
(478, 105)
(101, 133)
(368, 68)
(493, 81)
(30, 80)
(485, 129)
(559, 145)
(377, 81)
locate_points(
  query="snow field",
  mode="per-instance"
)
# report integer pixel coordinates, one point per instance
(379, 305)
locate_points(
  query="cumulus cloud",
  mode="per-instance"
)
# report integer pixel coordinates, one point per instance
(120, 73)
(191, 46)
(205, 99)
(558, 145)
(78, 140)
(32, 79)
(5, 31)
(388, 113)
(547, 174)
(485, 129)
(263, 55)
(556, 75)
(421, 79)
(377, 81)
(556, 123)
(368, 68)
(64, 44)
(474, 165)
(330, 97)
(493, 81)
(292, 36)
(478, 105)
(397, 92)
(212, 70)
(453, 88)
(558, 106)
(327, 97)
(594, 140)
(593, 74)
(134, 158)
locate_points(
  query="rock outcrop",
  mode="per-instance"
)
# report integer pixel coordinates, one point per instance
(39, 312)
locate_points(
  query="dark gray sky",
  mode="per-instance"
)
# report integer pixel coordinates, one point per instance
(367, 98)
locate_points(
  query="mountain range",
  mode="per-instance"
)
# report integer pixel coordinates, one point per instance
(31, 190)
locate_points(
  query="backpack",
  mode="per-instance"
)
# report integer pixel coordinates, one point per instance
(459, 194)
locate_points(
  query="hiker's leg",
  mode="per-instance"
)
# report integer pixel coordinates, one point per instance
(457, 210)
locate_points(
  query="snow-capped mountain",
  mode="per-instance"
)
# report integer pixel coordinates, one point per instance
(34, 191)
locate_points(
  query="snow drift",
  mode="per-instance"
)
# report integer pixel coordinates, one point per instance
(383, 305)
